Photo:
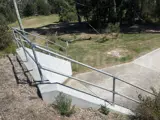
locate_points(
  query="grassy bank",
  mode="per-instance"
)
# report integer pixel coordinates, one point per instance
(101, 54)
(125, 48)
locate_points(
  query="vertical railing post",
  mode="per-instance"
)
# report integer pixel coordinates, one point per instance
(67, 44)
(47, 45)
(23, 48)
(16, 41)
(22, 44)
(66, 51)
(36, 61)
(114, 86)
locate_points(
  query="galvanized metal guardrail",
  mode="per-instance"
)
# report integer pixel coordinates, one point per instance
(20, 39)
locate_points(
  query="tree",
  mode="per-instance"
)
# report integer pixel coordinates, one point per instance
(5, 36)
(6, 9)
(43, 8)
(66, 9)
(78, 13)
(30, 9)
(157, 11)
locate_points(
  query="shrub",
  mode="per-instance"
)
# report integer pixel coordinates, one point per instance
(29, 10)
(102, 39)
(68, 17)
(2, 19)
(113, 28)
(5, 35)
(53, 37)
(64, 105)
(7, 11)
(104, 110)
(10, 16)
(43, 8)
(149, 108)
(65, 8)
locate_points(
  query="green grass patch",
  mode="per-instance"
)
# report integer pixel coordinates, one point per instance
(125, 58)
(95, 53)
(11, 49)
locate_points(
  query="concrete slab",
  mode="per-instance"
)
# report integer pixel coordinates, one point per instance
(150, 60)
(46, 61)
(130, 72)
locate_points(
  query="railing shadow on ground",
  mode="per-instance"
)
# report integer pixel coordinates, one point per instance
(22, 72)
(29, 80)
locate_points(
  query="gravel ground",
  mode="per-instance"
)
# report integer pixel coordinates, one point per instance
(20, 101)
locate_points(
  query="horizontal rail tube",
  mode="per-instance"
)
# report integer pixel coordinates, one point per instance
(134, 100)
(40, 37)
(100, 71)
(50, 49)
(144, 90)
(129, 98)
(81, 91)
(49, 70)
(27, 40)
(27, 52)
(74, 61)
(45, 47)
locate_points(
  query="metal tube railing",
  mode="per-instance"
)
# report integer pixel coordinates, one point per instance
(22, 44)
(37, 63)
(46, 40)
(114, 93)
(33, 46)
(50, 49)
(34, 54)
(92, 68)
(15, 38)
(38, 36)
(77, 79)
(114, 86)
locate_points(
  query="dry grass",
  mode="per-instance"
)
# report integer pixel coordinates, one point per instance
(125, 48)
(37, 21)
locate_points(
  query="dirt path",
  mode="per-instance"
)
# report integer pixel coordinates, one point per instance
(21, 102)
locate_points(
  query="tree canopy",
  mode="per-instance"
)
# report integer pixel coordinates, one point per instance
(98, 12)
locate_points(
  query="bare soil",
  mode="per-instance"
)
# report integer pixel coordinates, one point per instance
(19, 99)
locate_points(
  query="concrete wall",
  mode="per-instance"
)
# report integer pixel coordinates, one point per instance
(50, 91)
(46, 61)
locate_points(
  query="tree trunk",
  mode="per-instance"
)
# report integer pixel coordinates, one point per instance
(78, 14)
(115, 11)
(114, 7)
